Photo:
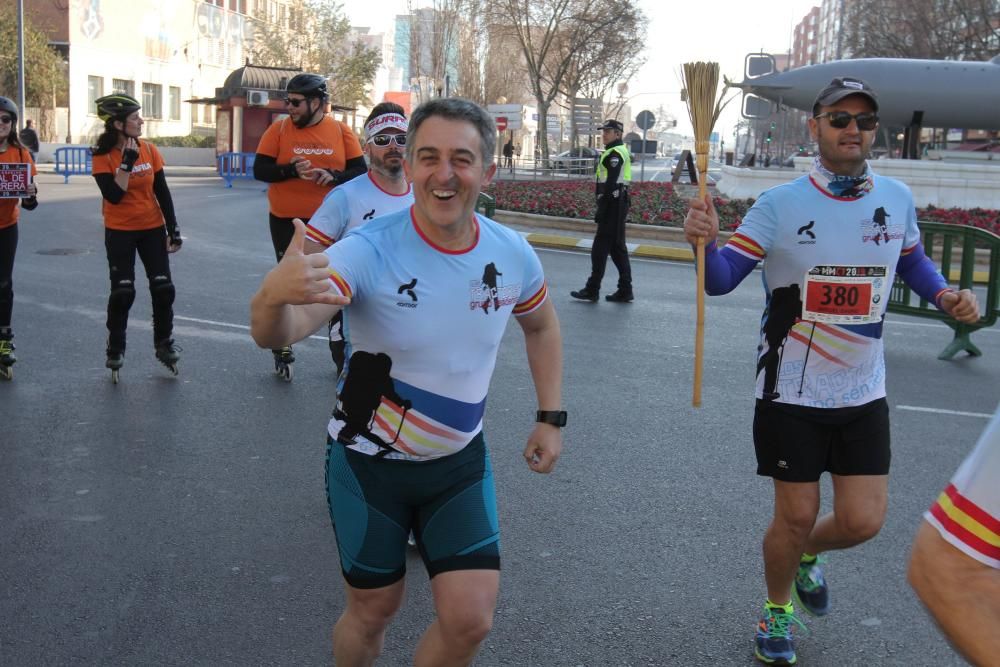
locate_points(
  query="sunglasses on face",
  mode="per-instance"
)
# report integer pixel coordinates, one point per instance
(383, 140)
(295, 102)
(866, 120)
(5, 119)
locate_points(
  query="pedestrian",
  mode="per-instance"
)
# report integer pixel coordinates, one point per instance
(508, 154)
(11, 152)
(614, 173)
(29, 138)
(405, 444)
(832, 242)
(302, 157)
(138, 219)
(384, 190)
(955, 561)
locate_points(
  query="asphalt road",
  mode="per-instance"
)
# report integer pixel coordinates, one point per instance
(182, 521)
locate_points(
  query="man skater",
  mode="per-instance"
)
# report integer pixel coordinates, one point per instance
(351, 205)
(614, 173)
(303, 156)
(822, 407)
(405, 444)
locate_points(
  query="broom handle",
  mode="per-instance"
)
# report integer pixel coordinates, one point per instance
(701, 149)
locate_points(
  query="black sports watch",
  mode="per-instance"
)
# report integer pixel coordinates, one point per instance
(554, 417)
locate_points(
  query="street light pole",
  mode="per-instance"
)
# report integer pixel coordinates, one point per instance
(20, 64)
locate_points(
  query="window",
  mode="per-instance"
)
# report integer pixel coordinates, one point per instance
(123, 86)
(175, 103)
(95, 89)
(152, 100)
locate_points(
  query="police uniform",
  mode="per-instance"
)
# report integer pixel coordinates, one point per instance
(614, 173)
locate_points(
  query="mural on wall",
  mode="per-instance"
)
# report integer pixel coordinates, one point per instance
(158, 40)
(222, 35)
(89, 14)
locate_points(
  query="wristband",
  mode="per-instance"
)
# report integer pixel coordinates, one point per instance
(553, 417)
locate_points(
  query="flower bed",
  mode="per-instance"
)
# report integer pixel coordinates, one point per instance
(665, 204)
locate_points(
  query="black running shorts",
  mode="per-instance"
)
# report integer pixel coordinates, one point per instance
(797, 444)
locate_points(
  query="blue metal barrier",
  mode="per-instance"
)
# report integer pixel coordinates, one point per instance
(235, 165)
(72, 161)
(950, 245)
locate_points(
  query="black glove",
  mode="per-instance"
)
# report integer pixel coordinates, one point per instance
(129, 156)
(29, 203)
(174, 234)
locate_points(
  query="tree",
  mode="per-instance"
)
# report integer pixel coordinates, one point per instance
(933, 29)
(45, 78)
(317, 37)
(550, 32)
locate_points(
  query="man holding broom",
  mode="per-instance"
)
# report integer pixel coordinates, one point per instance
(832, 242)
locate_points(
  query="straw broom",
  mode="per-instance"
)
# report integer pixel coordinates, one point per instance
(701, 81)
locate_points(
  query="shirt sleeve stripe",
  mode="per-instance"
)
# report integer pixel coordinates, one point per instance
(340, 283)
(746, 245)
(317, 236)
(906, 251)
(532, 303)
(961, 533)
(974, 511)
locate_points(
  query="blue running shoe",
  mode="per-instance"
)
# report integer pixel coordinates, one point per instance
(811, 589)
(774, 643)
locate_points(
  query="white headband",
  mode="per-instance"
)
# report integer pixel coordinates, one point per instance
(384, 122)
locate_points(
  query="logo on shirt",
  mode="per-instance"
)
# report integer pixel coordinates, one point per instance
(489, 291)
(369, 215)
(407, 288)
(311, 150)
(806, 230)
(879, 229)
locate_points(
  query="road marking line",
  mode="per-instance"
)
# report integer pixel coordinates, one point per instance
(229, 325)
(941, 411)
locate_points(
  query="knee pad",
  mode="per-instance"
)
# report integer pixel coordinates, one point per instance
(161, 290)
(122, 295)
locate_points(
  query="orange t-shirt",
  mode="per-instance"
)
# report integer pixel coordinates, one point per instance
(328, 144)
(10, 208)
(138, 209)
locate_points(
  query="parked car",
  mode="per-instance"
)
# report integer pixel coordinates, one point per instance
(582, 160)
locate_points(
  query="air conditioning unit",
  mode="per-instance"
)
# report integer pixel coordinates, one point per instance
(257, 98)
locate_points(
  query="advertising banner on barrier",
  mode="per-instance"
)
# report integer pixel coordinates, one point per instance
(14, 179)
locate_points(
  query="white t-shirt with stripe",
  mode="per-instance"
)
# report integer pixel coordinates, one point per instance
(351, 205)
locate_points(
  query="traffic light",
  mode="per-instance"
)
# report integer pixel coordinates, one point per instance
(768, 136)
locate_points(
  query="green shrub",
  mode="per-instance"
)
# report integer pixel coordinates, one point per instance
(190, 141)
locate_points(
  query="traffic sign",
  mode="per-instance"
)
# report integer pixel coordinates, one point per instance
(645, 120)
(501, 123)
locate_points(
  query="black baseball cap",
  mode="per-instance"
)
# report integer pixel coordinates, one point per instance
(612, 124)
(844, 86)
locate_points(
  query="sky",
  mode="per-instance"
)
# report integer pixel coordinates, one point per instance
(722, 31)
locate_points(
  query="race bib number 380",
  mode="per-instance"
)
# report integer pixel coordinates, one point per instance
(839, 294)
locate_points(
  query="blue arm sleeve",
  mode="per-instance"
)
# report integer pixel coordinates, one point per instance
(919, 272)
(725, 269)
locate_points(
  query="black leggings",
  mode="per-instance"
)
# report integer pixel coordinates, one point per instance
(282, 231)
(8, 248)
(151, 246)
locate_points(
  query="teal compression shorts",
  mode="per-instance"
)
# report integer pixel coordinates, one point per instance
(449, 503)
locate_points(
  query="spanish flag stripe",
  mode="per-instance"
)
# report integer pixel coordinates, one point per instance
(387, 429)
(978, 514)
(319, 237)
(963, 534)
(746, 245)
(840, 333)
(532, 302)
(341, 284)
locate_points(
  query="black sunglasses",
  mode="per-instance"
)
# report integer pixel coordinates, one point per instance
(385, 139)
(866, 120)
(295, 102)
(6, 119)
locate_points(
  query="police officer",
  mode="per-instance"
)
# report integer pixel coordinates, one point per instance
(614, 172)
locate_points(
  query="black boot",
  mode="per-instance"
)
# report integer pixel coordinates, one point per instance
(620, 296)
(586, 294)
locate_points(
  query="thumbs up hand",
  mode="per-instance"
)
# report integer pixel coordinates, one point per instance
(300, 278)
